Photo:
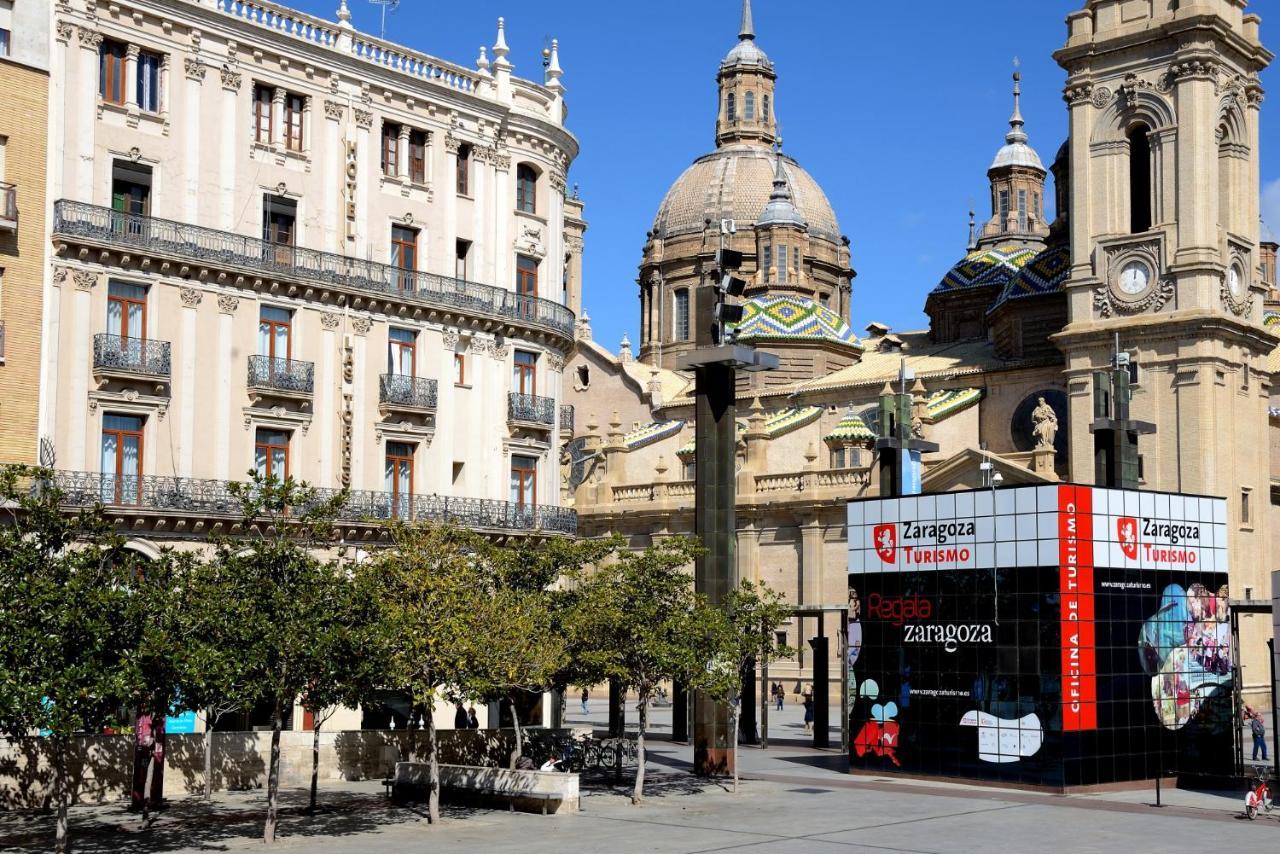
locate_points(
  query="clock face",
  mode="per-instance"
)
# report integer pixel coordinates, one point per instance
(1134, 278)
(1235, 281)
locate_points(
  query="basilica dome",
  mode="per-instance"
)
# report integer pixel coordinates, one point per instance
(734, 182)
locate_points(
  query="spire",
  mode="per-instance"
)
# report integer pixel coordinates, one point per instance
(554, 72)
(500, 49)
(780, 210)
(973, 231)
(1016, 133)
(746, 30)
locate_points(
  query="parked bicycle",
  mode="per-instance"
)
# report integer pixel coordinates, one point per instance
(1259, 795)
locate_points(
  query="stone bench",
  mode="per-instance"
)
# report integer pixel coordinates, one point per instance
(524, 790)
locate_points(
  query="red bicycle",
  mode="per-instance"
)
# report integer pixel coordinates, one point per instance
(1258, 796)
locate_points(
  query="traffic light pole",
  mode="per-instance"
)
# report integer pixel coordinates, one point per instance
(715, 366)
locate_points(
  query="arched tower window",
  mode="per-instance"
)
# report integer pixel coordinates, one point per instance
(1139, 179)
(731, 107)
(681, 329)
(1226, 180)
(764, 109)
(749, 106)
(526, 189)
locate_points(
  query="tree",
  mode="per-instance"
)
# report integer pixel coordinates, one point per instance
(746, 640)
(280, 600)
(639, 621)
(522, 623)
(66, 634)
(428, 587)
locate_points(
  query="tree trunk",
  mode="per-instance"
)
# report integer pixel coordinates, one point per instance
(209, 721)
(736, 715)
(637, 795)
(315, 761)
(146, 786)
(273, 776)
(433, 764)
(61, 844)
(515, 723)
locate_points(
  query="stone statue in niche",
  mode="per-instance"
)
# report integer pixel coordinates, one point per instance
(1045, 422)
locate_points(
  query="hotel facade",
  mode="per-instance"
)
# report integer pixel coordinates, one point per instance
(280, 245)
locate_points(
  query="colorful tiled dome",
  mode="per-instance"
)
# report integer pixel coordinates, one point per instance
(1043, 274)
(991, 267)
(792, 318)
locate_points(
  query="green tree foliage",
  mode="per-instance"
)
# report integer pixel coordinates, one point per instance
(66, 614)
(280, 599)
(429, 591)
(638, 620)
(743, 640)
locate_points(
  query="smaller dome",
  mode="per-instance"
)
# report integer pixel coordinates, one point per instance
(1017, 154)
(990, 267)
(745, 52)
(1043, 274)
(792, 318)
(780, 210)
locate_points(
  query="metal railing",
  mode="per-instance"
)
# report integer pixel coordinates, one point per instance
(194, 243)
(282, 374)
(194, 495)
(130, 355)
(401, 390)
(566, 418)
(8, 202)
(530, 407)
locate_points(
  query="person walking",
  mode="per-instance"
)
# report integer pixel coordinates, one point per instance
(472, 721)
(459, 716)
(1259, 729)
(585, 697)
(808, 713)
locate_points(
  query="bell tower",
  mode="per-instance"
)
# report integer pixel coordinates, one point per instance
(1163, 98)
(746, 82)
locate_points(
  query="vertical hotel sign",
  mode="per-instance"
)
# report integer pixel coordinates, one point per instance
(1075, 568)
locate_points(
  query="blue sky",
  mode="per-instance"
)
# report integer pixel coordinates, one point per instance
(895, 108)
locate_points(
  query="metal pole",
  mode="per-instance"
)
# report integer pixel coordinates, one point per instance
(1275, 721)
(766, 697)
(844, 680)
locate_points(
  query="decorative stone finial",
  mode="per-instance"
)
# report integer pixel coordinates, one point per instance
(500, 49)
(973, 231)
(624, 350)
(888, 388)
(584, 327)
(554, 72)
(482, 62)
(344, 15)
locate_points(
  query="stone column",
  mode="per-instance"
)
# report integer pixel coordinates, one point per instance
(277, 116)
(192, 107)
(810, 586)
(131, 76)
(224, 365)
(186, 349)
(227, 191)
(333, 163)
(449, 197)
(361, 245)
(503, 202)
(82, 446)
(402, 153)
(81, 126)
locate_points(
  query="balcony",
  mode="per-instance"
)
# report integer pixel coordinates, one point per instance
(281, 377)
(566, 419)
(400, 393)
(117, 357)
(191, 496)
(531, 409)
(8, 207)
(188, 246)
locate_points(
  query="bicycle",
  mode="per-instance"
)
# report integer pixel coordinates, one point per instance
(1259, 795)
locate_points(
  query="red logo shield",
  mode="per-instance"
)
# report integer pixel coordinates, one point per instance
(886, 542)
(1127, 534)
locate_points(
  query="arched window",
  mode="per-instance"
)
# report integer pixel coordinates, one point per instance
(1225, 182)
(731, 107)
(749, 106)
(764, 108)
(526, 188)
(1139, 179)
(682, 315)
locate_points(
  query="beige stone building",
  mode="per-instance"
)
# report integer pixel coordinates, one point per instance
(24, 139)
(282, 245)
(1156, 245)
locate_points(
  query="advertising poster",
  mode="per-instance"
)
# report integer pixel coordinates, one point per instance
(1055, 636)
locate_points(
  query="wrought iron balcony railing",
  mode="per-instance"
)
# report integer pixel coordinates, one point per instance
(212, 497)
(8, 206)
(287, 375)
(566, 418)
(407, 392)
(193, 243)
(130, 355)
(531, 408)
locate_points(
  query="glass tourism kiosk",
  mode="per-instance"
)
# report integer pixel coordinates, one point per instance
(1053, 636)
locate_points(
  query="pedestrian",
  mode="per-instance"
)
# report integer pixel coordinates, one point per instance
(472, 721)
(808, 713)
(779, 695)
(459, 716)
(1259, 729)
(585, 697)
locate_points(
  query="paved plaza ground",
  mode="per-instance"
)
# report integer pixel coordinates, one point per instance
(792, 799)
